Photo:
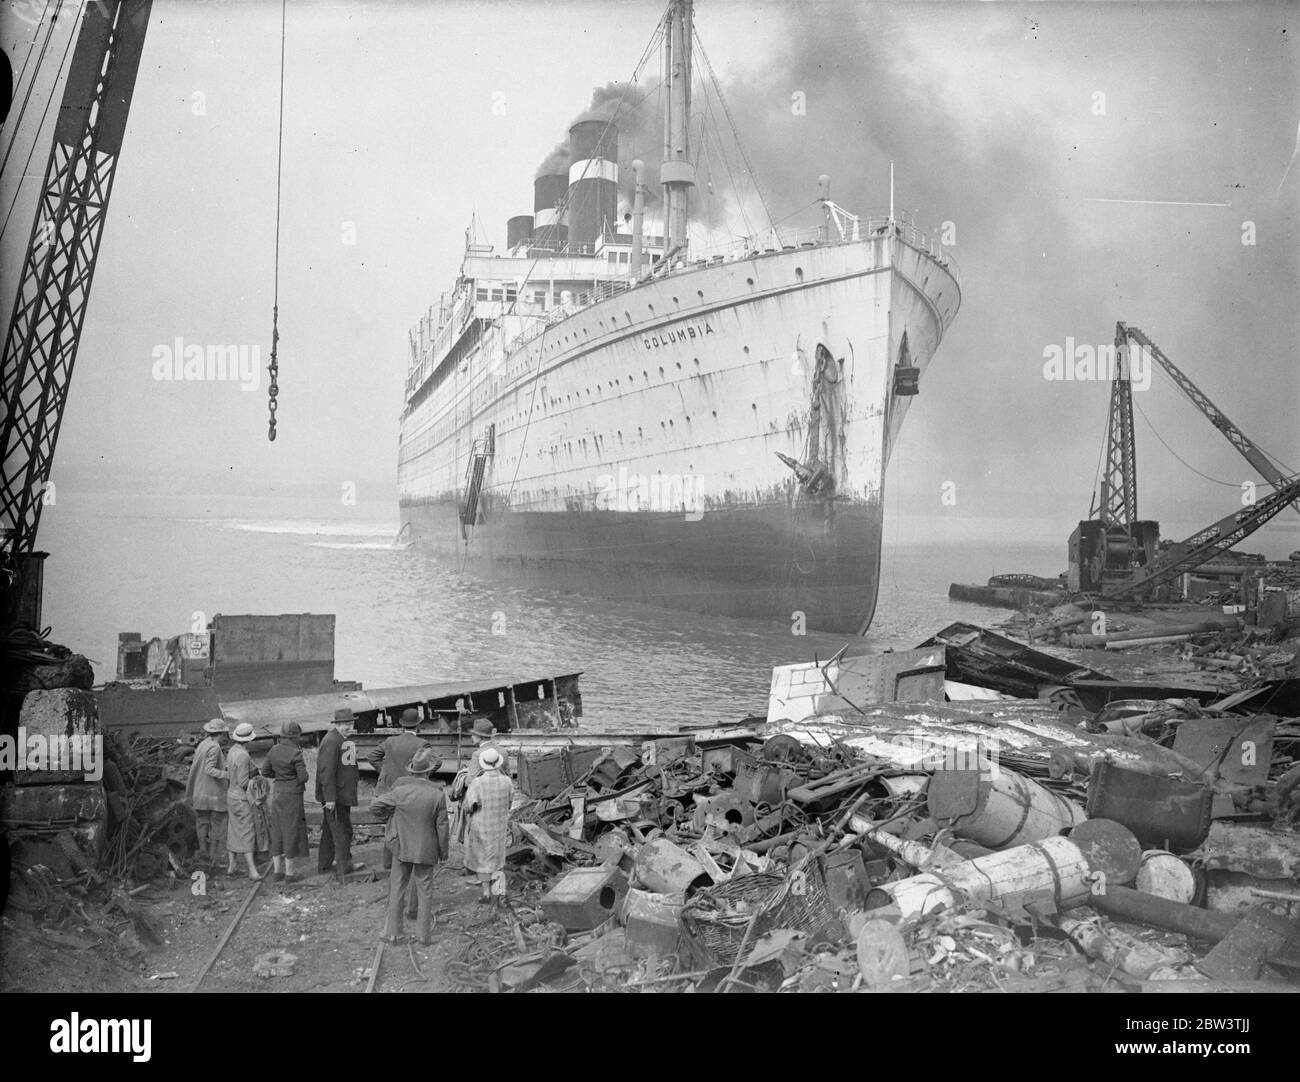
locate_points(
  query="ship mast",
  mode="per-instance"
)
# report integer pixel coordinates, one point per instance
(677, 175)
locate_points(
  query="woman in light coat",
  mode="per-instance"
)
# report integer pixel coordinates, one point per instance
(241, 834)
(487, 804)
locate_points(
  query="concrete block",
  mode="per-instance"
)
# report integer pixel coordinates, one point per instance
(59, 712)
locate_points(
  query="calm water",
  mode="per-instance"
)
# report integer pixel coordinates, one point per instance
(405, 616)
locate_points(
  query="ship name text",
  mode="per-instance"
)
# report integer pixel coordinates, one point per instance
(689, 333)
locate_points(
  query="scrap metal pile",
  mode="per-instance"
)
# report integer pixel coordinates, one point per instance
(1013, 845)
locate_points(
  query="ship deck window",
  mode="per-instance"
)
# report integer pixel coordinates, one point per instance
(480, 294)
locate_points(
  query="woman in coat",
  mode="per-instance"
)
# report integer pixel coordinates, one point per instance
(241, 836)
(287, 770)
(487, 804)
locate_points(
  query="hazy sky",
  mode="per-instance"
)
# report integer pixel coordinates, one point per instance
(1022, 125)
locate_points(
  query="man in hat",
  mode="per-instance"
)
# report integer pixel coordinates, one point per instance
(481, 733)
(487, 806)
(205, 792)
(392, 757)
(417, 835)
(336, 790)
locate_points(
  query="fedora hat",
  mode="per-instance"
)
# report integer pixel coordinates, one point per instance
(410, 718)
(344, 715)
(243, 733)
(483, 727)
(290, 729)
(489, 759)
(423, 761)
(216, 725)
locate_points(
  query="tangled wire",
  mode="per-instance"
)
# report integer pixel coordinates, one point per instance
(486, 945)
(24, 645)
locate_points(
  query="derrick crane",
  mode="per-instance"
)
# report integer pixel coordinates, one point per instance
(40, 348)
(1116, 554)
(1234, 435)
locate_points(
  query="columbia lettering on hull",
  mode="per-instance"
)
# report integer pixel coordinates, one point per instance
(608, 413)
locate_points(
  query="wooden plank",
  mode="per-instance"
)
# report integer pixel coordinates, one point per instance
(543, 840)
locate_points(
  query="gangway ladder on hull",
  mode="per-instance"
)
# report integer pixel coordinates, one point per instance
(482, 450)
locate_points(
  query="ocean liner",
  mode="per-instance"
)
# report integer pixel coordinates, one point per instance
(605, 408)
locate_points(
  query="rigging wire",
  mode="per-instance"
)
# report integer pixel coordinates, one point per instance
(28, 58)
(1182, 396)
(1227, 484)
(273, 388)
(1094, 501)
(726, 162)
(36, 71)
(63, 62)
(740, 146)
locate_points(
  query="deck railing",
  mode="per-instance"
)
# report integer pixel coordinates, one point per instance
(777, 239)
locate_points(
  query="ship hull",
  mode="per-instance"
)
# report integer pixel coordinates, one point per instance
(642, 449)
(753, 562)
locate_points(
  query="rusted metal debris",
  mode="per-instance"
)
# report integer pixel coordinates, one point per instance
(870, 845)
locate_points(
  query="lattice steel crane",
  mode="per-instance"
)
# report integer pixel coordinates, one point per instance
(1116, 554)
(59, 267)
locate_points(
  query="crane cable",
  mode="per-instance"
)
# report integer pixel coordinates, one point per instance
(59, 75)
(22, 73)
(273, 369)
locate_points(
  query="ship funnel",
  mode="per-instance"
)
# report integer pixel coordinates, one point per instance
(518, 230)
(593, 182)
(549, 192)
